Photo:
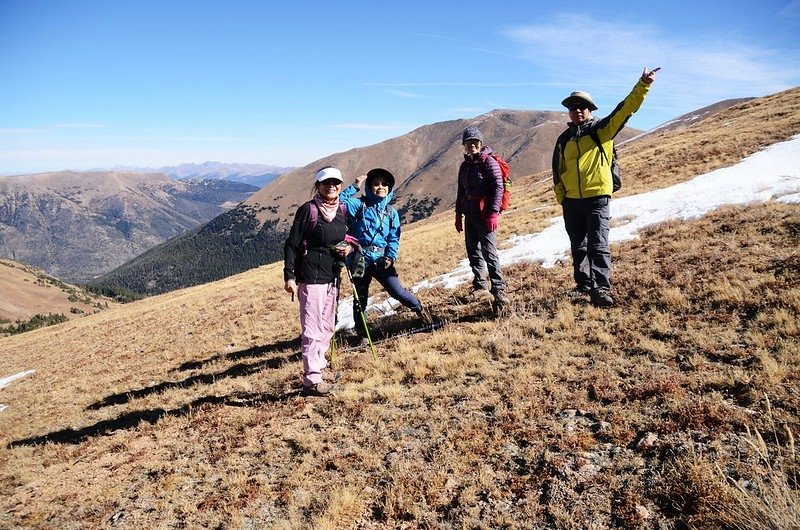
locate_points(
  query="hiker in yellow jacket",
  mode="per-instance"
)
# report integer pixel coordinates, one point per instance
(583, 184)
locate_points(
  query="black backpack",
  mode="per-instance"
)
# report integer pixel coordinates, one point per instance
(615, 173)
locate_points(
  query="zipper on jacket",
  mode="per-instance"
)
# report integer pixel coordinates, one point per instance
(578, 165)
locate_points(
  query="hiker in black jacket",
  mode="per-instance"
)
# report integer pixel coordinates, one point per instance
(478, 199)
(313, 258)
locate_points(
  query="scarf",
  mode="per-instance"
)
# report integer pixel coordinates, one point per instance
(326, 208)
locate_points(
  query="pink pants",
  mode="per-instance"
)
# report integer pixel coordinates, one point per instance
(317, 321)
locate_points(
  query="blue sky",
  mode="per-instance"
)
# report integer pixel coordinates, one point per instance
(88, 84)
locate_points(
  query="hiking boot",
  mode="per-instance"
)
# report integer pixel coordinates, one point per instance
(331, 376)
(500, 299)
(357, 340)
(601, 298)
(319, 390)
(578, 292)
(424, 315)
(475, 294)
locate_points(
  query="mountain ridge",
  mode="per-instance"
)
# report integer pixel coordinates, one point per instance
(253, 174)
(77, 225)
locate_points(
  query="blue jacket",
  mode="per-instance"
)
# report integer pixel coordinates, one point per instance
(376, 227)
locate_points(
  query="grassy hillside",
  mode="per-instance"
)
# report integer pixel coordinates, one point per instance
(676, 409)
(29, 296)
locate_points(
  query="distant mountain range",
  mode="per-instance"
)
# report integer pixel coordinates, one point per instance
(253, 174)
(78, 225)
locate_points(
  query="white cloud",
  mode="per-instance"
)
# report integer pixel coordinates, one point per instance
(371, 126)
(470, 84)
(466, 111)
(79, 126)
(791, 10)
(15, 132)
(697, 72)
(405, 95)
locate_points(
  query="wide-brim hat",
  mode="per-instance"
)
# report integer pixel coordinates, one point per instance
(380, 172)
(327, 173)
(579, 97)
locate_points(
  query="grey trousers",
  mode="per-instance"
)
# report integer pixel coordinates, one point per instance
(482, 254)
(587, 223)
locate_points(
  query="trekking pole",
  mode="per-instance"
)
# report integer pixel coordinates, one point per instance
(338, 284)
(363, 316)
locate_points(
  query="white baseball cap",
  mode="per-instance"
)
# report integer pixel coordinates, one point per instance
(327, 173)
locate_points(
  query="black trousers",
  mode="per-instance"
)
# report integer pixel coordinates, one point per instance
(587, 224)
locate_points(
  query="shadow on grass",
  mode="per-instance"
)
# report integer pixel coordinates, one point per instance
(390, 328)
(255, 351)
(237, 370)
(134, 419)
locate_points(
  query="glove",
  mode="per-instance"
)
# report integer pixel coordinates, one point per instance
(491, 222)
(459, 223)
(385, 262)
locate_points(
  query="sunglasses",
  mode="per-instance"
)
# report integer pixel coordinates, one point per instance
(578, 106)
(330, 182)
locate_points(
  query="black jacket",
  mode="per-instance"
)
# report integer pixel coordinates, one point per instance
(318, 264)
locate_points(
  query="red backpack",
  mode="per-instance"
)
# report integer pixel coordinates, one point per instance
(506, 201)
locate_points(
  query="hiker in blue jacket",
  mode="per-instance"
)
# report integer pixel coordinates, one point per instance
(376, 225)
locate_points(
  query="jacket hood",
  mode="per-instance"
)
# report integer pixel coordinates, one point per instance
(374, 200)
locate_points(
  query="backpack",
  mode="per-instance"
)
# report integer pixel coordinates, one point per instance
(506, 200)
(616, 179)
(360, 214)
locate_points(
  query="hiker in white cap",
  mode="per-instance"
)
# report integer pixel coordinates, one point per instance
(314, 254)
(583, 184)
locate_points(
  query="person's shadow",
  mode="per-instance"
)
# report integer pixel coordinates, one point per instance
(135, 418)
(389, 330)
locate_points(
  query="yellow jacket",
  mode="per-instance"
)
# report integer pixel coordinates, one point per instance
(581, 171)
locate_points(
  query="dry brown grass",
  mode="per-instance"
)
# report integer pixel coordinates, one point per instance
(28, 291)
(181, 411)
